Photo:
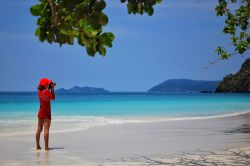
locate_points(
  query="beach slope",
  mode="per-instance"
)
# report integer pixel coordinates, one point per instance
(224, 140)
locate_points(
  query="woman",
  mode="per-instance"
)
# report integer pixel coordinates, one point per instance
(45, 94)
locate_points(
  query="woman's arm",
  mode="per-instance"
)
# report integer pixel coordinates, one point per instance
(53, 93)
(50, 94)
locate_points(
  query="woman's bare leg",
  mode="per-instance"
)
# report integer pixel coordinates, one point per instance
(46, 125)
(38, 133)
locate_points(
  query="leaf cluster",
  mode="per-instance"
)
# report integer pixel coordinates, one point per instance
(64, 21)
(67, 21)
(141, 6)
(236, 25)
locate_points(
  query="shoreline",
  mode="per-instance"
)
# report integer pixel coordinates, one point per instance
(128, 120)
(125, 144)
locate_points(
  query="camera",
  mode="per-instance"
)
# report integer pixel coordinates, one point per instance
(52, 84)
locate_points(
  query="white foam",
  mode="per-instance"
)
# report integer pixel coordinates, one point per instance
(62, 124)
(204, 117)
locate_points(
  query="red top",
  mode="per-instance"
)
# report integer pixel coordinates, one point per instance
(44, 97)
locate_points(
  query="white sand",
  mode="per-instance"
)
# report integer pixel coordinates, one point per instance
(157, 143)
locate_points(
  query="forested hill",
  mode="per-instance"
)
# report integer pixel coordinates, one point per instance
(77, 89)
(185, 85)
(238, 82)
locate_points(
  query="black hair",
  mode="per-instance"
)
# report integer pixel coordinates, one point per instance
(40, 87)
(50, 85)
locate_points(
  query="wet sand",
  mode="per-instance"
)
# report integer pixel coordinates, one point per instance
(224, 140)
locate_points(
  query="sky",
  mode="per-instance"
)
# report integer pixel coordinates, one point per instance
(178, 41)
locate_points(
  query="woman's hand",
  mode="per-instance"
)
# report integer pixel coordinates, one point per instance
(53, 85)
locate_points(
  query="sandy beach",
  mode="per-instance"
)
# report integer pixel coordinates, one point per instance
(224, 140)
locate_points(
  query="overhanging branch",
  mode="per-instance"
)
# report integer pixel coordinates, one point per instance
(54, 16)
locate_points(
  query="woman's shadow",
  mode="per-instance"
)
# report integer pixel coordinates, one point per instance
(56, 148)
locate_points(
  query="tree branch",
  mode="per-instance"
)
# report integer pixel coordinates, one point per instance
(53, 9)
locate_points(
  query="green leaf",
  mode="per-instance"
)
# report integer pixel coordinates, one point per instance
(102, 51)
(38, 32)
(84, 39)
(225, 55)
(91, 51)
(37, 10)
(91, 33)
(107, 38)
(150, 11)
(248, 39)
(99, 18)
(103, 19)
(234, 39)
(61, 38)
(100, 5)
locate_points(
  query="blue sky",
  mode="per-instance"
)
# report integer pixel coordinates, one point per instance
(176, 42)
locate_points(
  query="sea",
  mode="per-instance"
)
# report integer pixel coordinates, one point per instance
(78, 112)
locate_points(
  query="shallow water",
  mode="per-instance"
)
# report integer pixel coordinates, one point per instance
(18, 111)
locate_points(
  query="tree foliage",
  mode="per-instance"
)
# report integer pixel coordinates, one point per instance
(236, 25)
(141, 6)
(67, 21)
(64, 21)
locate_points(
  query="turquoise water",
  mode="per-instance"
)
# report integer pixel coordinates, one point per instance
(18, 111)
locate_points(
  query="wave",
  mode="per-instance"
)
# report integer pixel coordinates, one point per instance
(62, 124)
(205, 117)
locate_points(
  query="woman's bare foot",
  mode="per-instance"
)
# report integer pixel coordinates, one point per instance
(47, 148)
(38, 148)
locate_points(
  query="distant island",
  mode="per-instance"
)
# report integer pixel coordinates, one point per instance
(86, 89)
(185, 85)
(238, 82)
